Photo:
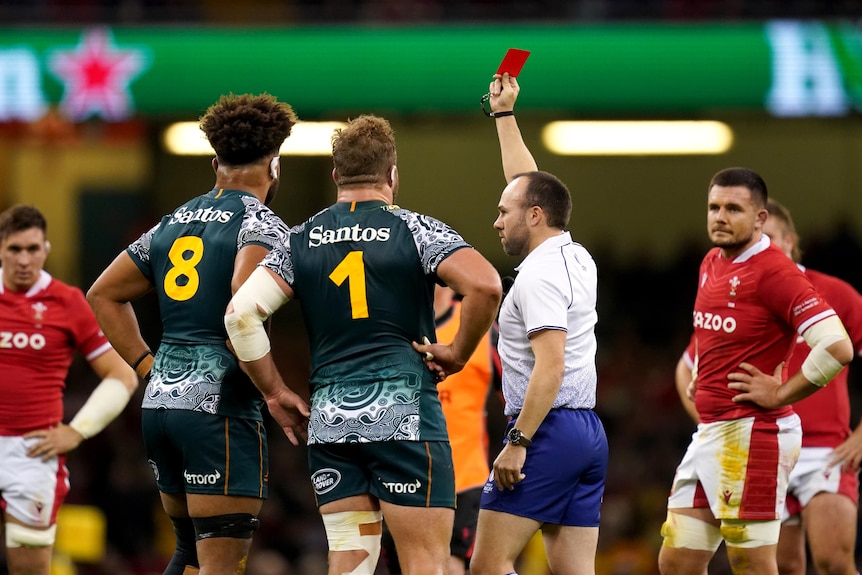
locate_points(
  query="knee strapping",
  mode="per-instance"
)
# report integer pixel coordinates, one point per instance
(233, 525)
(750, 534)
(185, 553)
(18, 535)
(682, 531)
(349, 531)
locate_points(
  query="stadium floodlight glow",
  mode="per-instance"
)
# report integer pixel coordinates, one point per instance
(306, 139)
(637, 138)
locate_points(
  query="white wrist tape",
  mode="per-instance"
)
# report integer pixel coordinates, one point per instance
(253, 302)
(104, 404)
(820, 367)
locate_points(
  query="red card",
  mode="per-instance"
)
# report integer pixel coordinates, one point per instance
(513, 61)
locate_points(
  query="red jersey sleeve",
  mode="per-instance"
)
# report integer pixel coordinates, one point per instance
(826, 414)
(788, 294)
(86, 333)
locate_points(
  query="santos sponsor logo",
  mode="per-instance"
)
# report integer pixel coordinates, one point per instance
(20, 340)
(325, 480)
(714, 322)
(412, 487)
(184, 216)
(319, 236)
(200, 479)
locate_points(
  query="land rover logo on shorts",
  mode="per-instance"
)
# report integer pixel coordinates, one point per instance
(325, 480)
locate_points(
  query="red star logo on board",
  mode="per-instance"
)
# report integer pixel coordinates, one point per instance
(96, 75)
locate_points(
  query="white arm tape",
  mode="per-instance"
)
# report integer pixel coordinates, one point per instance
(104, 404)
(253, 302)
(820, 367)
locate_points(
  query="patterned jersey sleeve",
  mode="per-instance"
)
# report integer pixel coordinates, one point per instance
(260, 226)
(88, 337)
(279, 259)
(435, 241)
(139, 251)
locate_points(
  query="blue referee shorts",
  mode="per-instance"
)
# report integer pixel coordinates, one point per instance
(565, 472)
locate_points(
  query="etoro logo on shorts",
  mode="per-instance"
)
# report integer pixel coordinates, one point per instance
(202, 479)
(411, 487)
(325, 480)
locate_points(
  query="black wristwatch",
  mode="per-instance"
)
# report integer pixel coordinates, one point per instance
(516, 437)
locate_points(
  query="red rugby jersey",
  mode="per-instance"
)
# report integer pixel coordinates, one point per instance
(748, 309)
(826, 414)
(39, 333)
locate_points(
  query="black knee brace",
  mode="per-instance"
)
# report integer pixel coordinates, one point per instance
(185, 553)
(234, 525)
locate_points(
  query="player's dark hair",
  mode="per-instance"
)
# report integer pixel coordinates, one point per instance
(778, 211)
(364, 151)
(742, 177)
(549, 193)
(21, 217)
(245, 128)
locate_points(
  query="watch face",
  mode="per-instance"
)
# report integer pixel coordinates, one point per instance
(515, 436)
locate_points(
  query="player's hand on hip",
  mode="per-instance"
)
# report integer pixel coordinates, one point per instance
(291, 413)
(54, 441)
(849, 453)
(756, 386)
(691, 389)
(439, 359)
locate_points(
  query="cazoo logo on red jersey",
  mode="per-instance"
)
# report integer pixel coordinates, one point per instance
(714, 322)
(20, 340)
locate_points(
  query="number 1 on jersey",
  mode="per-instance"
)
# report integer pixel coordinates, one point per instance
(352, 268)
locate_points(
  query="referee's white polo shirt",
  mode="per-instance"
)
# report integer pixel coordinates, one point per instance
(555, 289)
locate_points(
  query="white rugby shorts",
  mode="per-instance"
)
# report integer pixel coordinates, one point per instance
(739, 468)
(812, 475)
(32, 489)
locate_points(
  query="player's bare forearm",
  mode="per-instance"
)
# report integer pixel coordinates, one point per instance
(468, 273)
(286, 407)
(265, 375)
(110, 297)
(120, 325)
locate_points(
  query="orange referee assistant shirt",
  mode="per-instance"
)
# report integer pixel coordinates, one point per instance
(463, 396)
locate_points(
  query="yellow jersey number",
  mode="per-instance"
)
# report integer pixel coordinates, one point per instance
(184, 267)
(352, 268)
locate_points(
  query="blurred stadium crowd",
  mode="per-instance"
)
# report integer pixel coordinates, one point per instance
(299, 12)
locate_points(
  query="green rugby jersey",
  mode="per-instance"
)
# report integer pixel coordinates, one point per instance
(189, 257)
(364, 275)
